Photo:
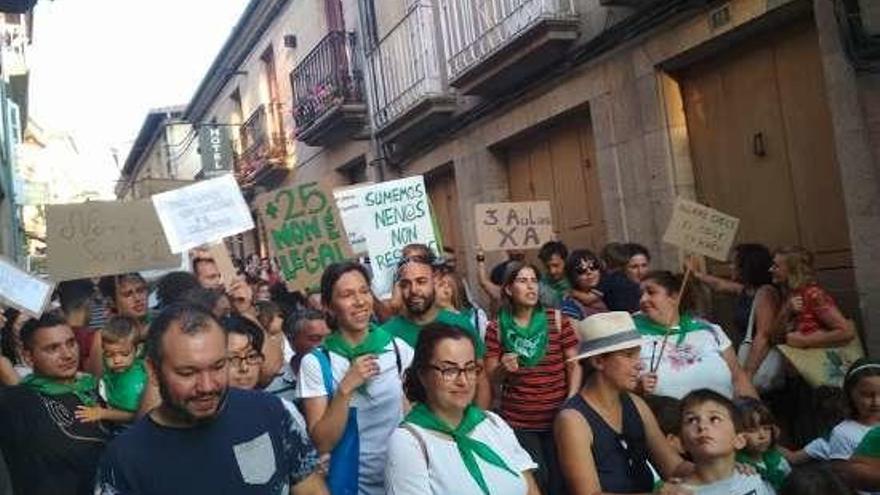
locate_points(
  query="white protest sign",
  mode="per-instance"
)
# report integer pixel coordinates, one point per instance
(202, 213)
(22, 290)
(701, 230)
(524, 225)
(354, 218)
(394, 214)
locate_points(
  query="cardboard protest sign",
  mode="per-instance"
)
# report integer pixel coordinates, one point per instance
(105, 237)
(701, 230)
(22, 290)
(204, 212)
(220, 255)
(395, 213)
(524, 225)
(305, 232)
(354, 218)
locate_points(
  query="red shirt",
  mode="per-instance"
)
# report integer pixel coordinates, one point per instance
(85, 336)
(817, 303)
(531, 397)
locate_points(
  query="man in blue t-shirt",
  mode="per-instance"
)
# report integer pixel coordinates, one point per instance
(206, 437)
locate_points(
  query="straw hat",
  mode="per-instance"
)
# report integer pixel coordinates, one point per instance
(606, 332)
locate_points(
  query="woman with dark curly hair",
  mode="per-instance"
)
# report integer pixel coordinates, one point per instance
(437, 447)
(757, 306)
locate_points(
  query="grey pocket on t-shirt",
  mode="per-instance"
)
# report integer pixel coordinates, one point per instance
(256, 460)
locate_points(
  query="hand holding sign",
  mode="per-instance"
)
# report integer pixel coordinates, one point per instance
(204, 212)
(505, 226)
(305, 232)
(699, 229)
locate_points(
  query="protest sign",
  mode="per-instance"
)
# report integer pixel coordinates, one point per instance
(524, 225)
(304, 231)
(354, 218)
(701, 230)
(22, 290)
(104, 237)
(394, 214)
(223, 261)
(204, 212)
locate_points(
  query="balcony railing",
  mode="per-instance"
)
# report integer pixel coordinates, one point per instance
(328, 77)
(475, 29)
(262, 142)
(408, 61)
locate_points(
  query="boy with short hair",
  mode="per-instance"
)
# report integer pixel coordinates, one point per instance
(125, 375)
(712, 432)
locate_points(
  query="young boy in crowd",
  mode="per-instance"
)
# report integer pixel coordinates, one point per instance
(712, 433)
(125, 375)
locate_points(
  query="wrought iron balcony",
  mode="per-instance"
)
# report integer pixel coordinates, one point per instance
(328, 91)
(263, 145)
(411, 87)
(492, 44)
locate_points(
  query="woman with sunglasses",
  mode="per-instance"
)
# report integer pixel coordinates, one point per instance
(584, 272)
(526, 351)
(446, 444)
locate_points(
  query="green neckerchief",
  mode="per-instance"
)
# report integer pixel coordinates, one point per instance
(529, 343)
(771, 467)
(559, 287)
(467, 446)
(687, 324)
(408, 331)
(124, 388)
(83, 387)
(375, 343)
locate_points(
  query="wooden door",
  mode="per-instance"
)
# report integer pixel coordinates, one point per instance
(761, 139)
(558, 165)
(763, 149)
(444, 204)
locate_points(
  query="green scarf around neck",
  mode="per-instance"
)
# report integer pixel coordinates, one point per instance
(686, 324)
(469, 448)
(83, 387)
(771, 467)
(375, 343)
(529, 343)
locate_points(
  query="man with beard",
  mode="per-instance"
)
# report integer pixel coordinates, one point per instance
(206, 437)
(47, 448)
(415, 281)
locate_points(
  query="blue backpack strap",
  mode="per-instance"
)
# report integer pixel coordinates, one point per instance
(323, 356)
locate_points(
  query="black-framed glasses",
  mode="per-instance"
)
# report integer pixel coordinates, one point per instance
(451, 373)
(253, 358)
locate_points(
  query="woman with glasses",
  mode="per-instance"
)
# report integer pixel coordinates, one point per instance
(527, 348)
(446, 444)
(243, 343)
(351, 387)
(584, 272)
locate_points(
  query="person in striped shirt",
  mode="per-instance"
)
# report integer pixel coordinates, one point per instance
(527, 347)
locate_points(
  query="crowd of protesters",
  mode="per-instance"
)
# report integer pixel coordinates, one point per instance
(585, 373)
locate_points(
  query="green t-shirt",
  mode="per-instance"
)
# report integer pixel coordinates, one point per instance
(124, 389)
(870, 444)
(408, 331)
